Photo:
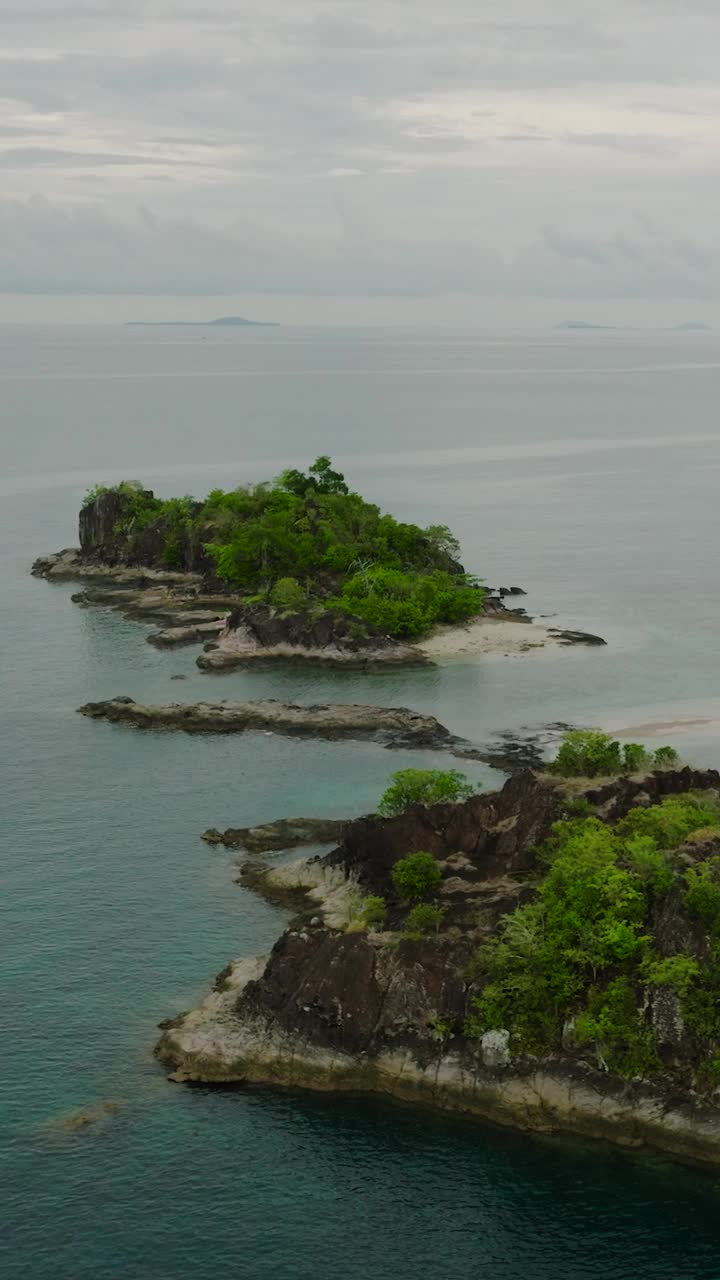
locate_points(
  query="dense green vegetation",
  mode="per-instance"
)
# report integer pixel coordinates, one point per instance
(304, 542)
(423, 786)
(587, 753)
(576, 963)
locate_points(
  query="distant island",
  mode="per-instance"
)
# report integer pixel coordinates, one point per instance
(583, 324)
(689, 326)
(222, 322)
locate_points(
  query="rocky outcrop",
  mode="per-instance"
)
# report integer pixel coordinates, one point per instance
(566, 638)
(330, 637)
(391, 726)
(186, 634)
(228, 1040)
(283, 833)
(71, 565)
(111, 534)
(337, 1007)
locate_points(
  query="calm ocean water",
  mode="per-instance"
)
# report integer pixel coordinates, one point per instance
(583, 467)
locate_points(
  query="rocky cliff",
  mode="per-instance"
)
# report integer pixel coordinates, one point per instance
(339, 1007)
(257, 631)
(112, 532)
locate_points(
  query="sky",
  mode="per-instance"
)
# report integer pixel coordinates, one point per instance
(519, 161)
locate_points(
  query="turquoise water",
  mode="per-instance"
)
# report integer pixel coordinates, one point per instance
(114, 914)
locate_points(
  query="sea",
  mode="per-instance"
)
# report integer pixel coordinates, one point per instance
(580, 466)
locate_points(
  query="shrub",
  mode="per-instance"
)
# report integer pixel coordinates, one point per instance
(678, 972)
(635, 758)
(416, 877)
(702, 896)
(701, 1002)
(423, 786)
(441, 1030)
(287, 596)
(423, 921)
(406, 603)
(649, 863)
(613, 1022)
(374, 912)
(670, 822)
(587, 753)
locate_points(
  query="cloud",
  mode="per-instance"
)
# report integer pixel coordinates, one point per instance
(530, 146)
(46, 249)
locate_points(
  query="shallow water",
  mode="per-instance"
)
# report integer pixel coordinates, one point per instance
(580, 467)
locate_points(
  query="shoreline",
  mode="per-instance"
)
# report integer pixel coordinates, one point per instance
(190, 614)
(486, 636)
(339, 1008)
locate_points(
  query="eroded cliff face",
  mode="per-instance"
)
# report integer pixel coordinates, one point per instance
(335, 1008)
(111, 534)
(257, 631)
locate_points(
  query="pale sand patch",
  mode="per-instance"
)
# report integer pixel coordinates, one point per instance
(486, 636)
(665, 726)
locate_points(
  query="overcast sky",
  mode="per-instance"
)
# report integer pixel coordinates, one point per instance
(369, 158)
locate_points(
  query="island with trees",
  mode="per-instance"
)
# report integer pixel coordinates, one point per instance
(297, 567)
(546, 956)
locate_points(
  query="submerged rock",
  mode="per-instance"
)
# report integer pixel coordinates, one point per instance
(392, 726)
(85, 1117)
(284, 833)
(575, 637)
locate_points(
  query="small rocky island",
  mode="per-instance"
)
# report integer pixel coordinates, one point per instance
(299, 568)
(545, 956)
(390, 726)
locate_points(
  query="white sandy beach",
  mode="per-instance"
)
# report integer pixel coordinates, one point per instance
(487, 636)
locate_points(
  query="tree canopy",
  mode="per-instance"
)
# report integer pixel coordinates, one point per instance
(305, 541)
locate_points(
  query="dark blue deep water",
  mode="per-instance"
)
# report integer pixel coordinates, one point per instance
(582, 467)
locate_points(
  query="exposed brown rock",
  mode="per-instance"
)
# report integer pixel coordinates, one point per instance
(392, 726)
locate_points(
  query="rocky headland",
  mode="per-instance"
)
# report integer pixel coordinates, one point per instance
(341, 1005)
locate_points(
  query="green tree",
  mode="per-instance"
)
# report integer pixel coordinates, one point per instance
(416, 877)
(287, 596)
(423, 921)
(588, 753)
(702, 895)
(374, 912)
(679, 972)
(426, 787)
(624, 1041)
(635, 757)
(320, 479)
(670, 823)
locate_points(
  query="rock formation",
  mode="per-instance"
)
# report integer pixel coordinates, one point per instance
(392, 726)
(339, 1007)
(256, 631)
